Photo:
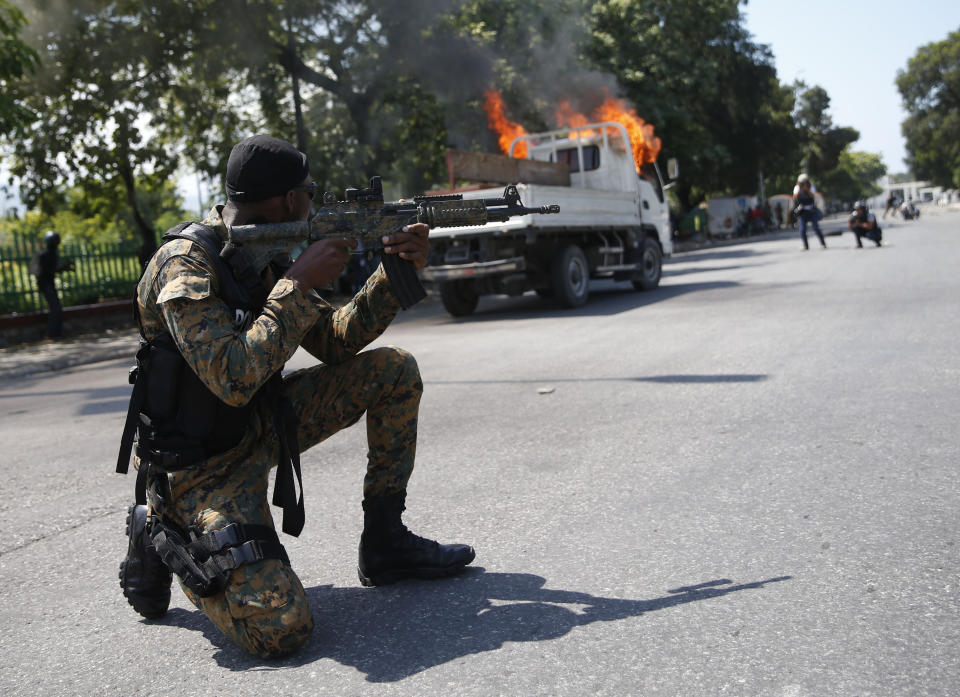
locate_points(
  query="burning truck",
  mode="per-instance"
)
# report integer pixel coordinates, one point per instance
(613, 221)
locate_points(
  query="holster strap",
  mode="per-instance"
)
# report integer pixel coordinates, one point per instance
(205, 562)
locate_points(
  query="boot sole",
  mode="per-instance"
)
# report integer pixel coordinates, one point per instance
(385, 578)
(145, 607)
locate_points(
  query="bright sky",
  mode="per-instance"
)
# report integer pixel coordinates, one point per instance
(853, 49)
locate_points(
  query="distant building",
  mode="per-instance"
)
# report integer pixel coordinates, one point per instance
(916, 191)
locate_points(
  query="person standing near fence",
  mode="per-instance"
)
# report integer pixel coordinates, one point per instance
(46, 266)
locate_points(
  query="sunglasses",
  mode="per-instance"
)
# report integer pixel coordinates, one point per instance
(309, 189)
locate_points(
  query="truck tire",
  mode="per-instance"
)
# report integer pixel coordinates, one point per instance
(459, 297)
(571, 276)
(651, 261)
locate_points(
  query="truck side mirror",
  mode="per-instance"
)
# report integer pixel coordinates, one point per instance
(673, 169)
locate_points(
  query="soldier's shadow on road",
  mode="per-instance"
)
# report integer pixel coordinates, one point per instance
(393, 632)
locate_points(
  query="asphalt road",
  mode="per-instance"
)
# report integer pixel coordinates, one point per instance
(742, 483)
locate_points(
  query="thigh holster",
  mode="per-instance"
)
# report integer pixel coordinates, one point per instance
(204, 561)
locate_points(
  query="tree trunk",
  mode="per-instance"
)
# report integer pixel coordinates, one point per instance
(148, 237)
(357, 103)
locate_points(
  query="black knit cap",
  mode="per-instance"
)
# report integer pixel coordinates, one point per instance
(262, 167)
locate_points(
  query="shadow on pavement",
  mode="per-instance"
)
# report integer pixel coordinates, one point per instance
(393, 632)
(100, 400)
(672, 271)
(603, 301)
(714, 254)
(668, 379)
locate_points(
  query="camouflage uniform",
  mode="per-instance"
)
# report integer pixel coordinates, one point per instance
(264, 608)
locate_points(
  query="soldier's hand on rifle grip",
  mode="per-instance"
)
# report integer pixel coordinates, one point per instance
(321, 263)
(410, 243)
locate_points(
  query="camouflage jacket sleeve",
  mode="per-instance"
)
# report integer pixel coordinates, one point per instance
(341, 333)
(233, 361)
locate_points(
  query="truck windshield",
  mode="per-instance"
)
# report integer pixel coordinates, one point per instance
(569, 156)
(650, 174)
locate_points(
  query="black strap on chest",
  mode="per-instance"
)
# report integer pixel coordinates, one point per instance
(240, 286)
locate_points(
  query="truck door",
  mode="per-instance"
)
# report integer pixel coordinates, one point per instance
(654, 210)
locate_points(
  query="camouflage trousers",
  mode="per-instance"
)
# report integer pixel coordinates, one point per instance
(264, 608)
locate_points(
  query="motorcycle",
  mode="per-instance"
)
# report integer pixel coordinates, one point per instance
(909, 211)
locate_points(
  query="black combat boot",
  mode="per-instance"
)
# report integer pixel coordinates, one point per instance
(144, 578)
(389, 552)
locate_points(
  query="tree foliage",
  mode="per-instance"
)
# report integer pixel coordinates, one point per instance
(821, 142)
(930, 87)
(128, 92)
(104, 69)
(693, 71)
(83, 217)
(16, 61)
(854, 177)
(366, 78)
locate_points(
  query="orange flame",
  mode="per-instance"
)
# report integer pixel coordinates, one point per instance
(505, 129)
(566, 116)
(646, 146)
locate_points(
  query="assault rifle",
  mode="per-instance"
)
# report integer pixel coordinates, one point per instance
(365, 217)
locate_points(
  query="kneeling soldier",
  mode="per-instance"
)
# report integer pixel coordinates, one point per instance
(212, 414)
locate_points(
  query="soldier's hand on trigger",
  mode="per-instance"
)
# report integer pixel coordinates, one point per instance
(321, 263)
(410, 243)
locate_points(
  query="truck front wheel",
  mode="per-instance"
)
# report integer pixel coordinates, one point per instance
(651, 265)
(459, 297)
(571, 276)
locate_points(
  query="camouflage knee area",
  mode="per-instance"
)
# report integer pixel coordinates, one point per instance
(397, 367)
(392, 423)
(264, 609)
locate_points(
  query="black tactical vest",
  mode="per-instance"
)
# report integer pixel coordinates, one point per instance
(177, 420)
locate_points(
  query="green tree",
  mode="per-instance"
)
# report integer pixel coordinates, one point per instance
(82, 216)
(355, 84)
(693, 71)
(127, 86)
(17, 60)
(854, 177)
(821, 142)
(104, 70)
(930, 87)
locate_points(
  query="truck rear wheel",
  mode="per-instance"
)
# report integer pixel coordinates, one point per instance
(571, 276)
(651, 263)
(459, 297)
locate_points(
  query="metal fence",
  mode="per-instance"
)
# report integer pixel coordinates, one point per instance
(100, 272)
